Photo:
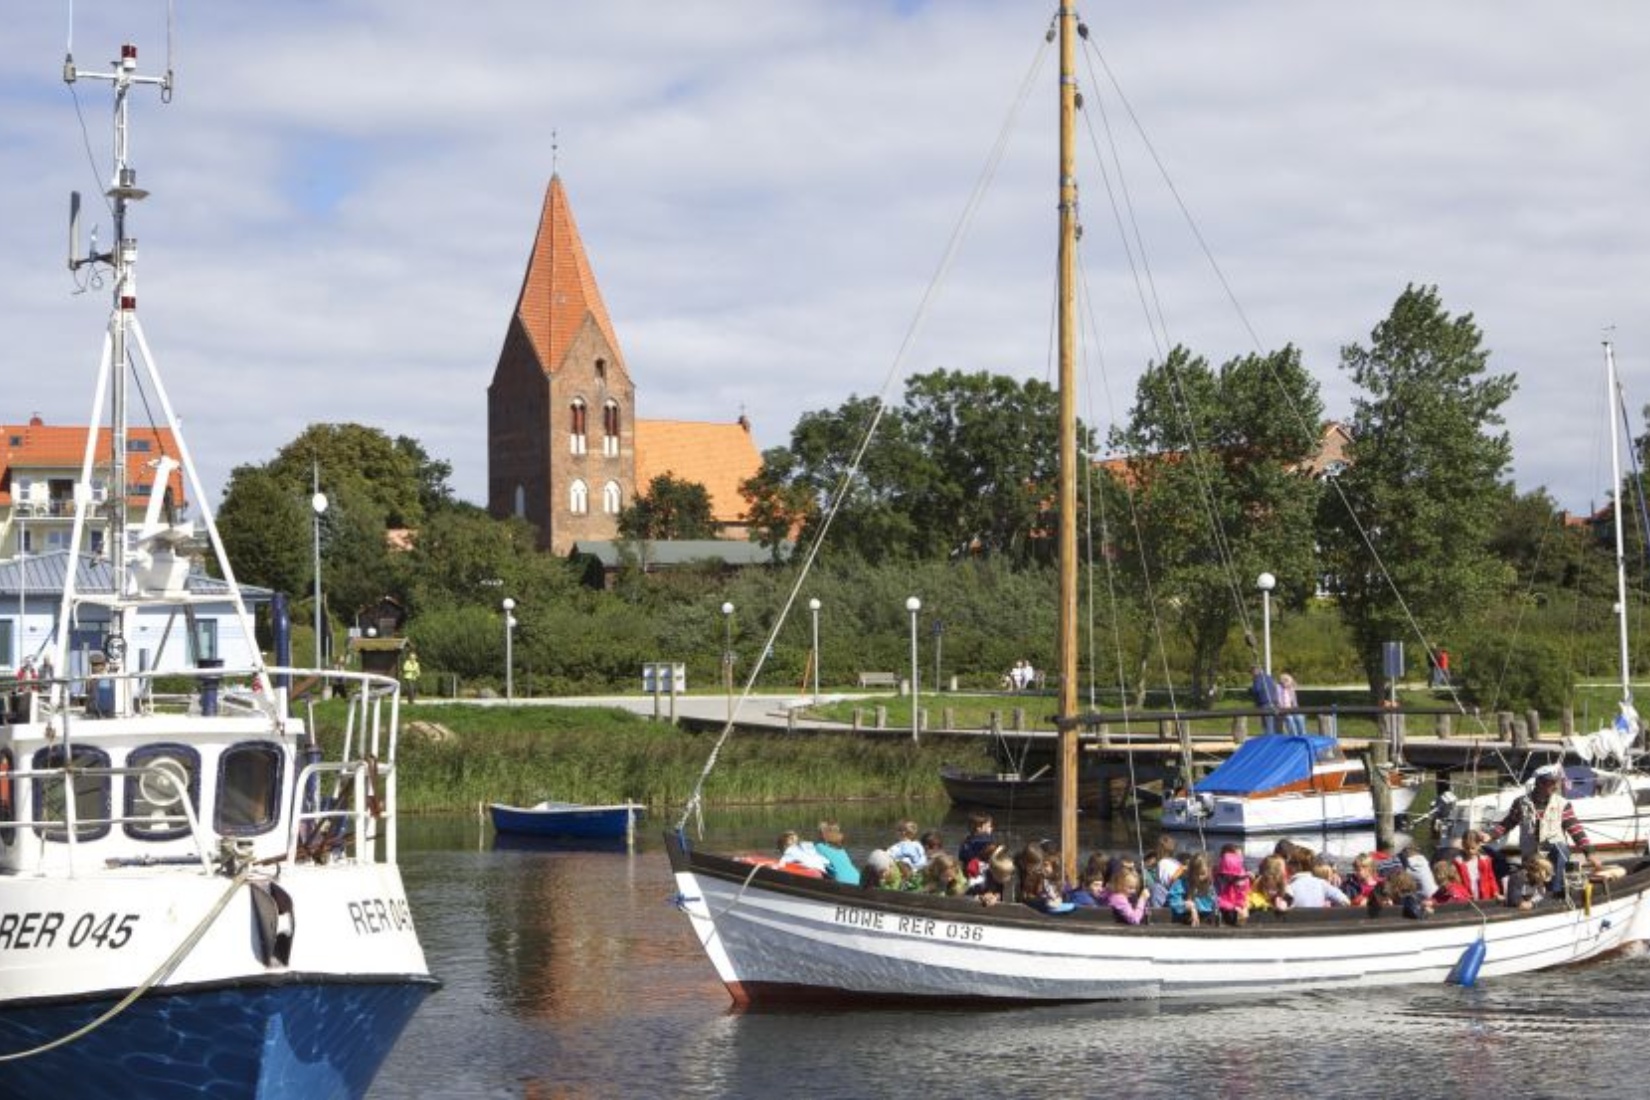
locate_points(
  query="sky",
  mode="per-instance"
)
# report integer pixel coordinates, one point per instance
(344, 193)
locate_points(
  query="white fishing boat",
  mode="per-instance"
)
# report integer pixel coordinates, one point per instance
(1602, 779)
(775, 937)
(195, 898)
(1287, 782)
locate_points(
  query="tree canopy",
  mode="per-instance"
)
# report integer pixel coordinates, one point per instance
(1217, 490)
(966, 466)
(669, 508)
(1405, 533)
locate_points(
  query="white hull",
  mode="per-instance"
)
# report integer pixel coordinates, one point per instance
(113, 931)
(772, 937)
(1280, 813)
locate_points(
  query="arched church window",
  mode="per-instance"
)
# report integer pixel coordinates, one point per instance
(577, 423)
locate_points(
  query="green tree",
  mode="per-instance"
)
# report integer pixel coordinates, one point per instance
(260, 519)
(777, 503)
(670, 508)
(990, 454)
(1217, 490)
(363, 464)
(1405, 536)
(464, 557)
(965, 467)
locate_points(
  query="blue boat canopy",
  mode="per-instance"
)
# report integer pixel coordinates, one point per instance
(1263, 763)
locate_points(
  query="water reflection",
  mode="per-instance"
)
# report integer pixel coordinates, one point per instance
(570, 973)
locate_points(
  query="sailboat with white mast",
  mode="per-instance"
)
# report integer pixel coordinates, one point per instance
(773, 937)
(195, 898)
(1610, 793)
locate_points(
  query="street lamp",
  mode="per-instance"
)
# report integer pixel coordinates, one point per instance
(914, 605)
(1266, 582)
(509, 648)
(813, 606)
(318, 502)
(727, 653)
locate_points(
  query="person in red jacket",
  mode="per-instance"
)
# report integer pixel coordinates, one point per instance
(1475, 869)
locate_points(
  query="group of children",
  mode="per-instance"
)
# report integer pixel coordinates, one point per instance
(1195, 888)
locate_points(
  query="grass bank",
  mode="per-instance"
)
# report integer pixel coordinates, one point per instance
(453, 757)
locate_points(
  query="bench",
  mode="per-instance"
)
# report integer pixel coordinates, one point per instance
(878, 679)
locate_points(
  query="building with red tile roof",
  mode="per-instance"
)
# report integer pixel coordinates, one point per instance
(40, 465)
(565, 449)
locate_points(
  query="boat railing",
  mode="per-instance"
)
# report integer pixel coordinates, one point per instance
(163, 787)
(362, 800)
(211, 689)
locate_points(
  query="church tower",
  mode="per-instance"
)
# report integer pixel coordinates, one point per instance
(561, 409)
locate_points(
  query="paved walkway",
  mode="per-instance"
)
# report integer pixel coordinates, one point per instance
(759, 711)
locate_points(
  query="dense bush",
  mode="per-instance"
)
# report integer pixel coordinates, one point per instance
(1498, 673)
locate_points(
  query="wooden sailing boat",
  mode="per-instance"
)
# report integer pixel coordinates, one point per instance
(776, 937)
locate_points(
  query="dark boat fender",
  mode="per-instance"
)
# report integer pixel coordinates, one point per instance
(272, 907)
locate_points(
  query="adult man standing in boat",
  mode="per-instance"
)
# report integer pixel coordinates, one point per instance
(1544, 818)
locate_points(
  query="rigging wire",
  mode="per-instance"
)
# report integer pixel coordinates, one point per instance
(840, 493)
(1301, 422)
(1180, 403)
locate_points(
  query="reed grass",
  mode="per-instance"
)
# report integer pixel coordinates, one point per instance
(521, 755)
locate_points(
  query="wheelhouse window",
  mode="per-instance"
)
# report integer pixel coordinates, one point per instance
(249, 789)
(52, 794)
(578, 498)
(577, 417)
(154, 797)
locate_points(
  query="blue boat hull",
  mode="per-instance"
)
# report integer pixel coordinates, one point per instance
(315, 1040)
(568, 820)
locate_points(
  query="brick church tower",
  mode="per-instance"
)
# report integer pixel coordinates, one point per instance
(561, 409)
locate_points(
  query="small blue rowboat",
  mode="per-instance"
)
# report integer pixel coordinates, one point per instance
(570, 819)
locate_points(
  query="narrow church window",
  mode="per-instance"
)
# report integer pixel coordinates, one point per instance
(579, 498)
(519, 507)
(610, 429)
(578, 433)
(611, 498)
(601, 371)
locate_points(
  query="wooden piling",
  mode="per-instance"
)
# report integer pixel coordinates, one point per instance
(1375, 766)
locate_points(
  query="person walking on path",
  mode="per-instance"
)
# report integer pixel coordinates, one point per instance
(409, 674)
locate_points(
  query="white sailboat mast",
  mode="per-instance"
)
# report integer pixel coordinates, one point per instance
(1616, 407)
(122, 259)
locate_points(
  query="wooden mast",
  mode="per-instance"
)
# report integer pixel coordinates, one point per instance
(1068, 735)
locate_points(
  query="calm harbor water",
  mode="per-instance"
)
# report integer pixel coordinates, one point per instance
(569, 974)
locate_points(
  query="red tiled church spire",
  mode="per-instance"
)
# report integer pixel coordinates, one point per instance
(559, 288)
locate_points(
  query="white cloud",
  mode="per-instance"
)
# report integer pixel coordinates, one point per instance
(344, 195)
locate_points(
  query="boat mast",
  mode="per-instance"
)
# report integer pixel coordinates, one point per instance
(122, 258)
(1068, 735)
(1616, 407)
